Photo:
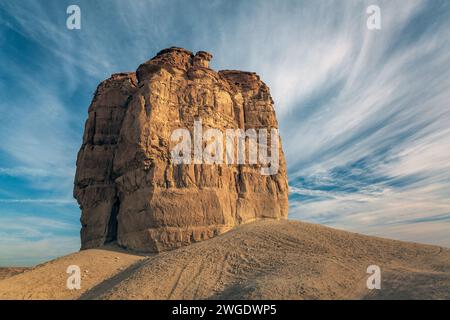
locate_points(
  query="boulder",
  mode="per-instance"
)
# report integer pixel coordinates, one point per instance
(130, 189)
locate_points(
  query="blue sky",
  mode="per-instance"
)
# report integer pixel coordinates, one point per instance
(364, 115)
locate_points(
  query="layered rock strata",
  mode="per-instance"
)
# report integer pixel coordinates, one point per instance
(128, 186)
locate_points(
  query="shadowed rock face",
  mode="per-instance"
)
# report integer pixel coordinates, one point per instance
(127, 185)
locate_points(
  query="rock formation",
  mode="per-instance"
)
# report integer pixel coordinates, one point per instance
(127, 184)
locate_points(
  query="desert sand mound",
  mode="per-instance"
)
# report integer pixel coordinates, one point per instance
(48, 280)
(263, 260)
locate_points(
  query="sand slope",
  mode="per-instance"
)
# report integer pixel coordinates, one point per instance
(48, 280)
(263, 260)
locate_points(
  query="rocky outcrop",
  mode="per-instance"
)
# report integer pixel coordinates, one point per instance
(128, 186)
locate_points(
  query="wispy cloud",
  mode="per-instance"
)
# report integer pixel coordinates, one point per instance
(28, 240)
(33, 172)
(393, 119)
(48, 201)
(31, 252)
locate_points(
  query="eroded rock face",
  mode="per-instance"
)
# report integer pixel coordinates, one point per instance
(127, 184)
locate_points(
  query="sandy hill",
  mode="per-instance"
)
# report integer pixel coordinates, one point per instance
(262, 260)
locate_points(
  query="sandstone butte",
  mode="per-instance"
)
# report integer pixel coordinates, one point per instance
(126, 184)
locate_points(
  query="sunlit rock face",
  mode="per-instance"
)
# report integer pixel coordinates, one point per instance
(128, 186)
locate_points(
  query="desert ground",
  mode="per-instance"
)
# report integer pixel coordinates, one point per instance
(260, 260)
